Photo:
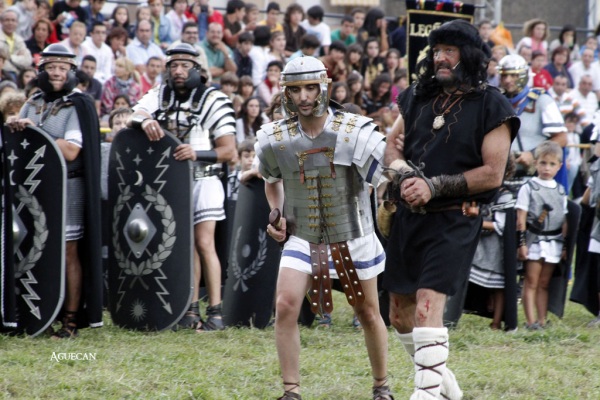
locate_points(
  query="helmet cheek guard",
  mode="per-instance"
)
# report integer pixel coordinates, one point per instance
(515, 64)
(185, 52)
(305, 71)
(57, 53)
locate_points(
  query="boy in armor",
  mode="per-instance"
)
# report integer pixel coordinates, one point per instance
(203, 118)
(541, 227)
(319, 163)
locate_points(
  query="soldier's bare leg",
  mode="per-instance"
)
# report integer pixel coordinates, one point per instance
(74, 277)
(289, 297)
(376, 338)
(73, 292)
(211, 267)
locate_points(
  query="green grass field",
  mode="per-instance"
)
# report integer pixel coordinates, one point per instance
(562, 362)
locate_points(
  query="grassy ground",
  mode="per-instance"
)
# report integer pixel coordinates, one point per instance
(562, 362)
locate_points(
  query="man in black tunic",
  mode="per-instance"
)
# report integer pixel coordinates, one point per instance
(457, 134)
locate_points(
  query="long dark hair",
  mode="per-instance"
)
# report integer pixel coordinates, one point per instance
(250, 129)
(472, 75)
(370, 25)
(377, 82)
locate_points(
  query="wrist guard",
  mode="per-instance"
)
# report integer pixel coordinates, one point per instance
(449, 186)
(521, 238)
(209, 156)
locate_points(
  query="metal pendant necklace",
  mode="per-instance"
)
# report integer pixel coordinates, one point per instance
(439, 121)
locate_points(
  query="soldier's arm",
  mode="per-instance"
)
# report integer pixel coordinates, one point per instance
(275, 196)
(69, 150)
(494, 152)
(149, 126)
(225, 148)
(394, 157)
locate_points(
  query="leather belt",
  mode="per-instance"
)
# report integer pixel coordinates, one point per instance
(319, 294)
(537, 231)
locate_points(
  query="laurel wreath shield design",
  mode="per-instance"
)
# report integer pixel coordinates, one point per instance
(155, 261)
(40, 235)
(249, 272)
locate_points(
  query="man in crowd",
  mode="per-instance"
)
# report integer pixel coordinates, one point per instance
(207, 118)
(586, 98)
(220, 57)
(95, 45)
(19, 56)
(236, 10)
(142, 48)
(94, 89)
(151, 77)
(25, 10)
(94, 13)
(189, 35)
(457, 134)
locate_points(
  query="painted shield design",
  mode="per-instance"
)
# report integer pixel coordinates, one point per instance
(36, 183)
(253, 261)
(150, 249)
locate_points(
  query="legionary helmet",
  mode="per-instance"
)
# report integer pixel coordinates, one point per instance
(305, 71)
(185, 52)
(515, 64)
(57, 53)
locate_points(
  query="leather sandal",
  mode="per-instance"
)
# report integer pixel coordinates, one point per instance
(69, 326)
(214, 320)
(191, 317)
(288, 394)
(382, 392)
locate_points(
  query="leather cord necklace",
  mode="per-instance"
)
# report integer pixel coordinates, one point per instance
(439, 120)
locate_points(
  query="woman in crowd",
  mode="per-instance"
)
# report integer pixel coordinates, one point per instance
(558, 64)
(270, 85)
(25, 76)
(373, 63)
(392, 63)
(536, 32)
(124, 81)
(567, 38)
(246, 88)
(378, 97)
(250, 119)
(375, 26)
(116, 40)
(42, 29)
(294, 14)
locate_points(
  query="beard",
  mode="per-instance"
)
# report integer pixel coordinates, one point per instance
(446, 80)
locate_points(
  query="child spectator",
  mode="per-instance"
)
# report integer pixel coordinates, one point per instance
(270, 86)
(241, 55)
(277, 47)
(488, 266)
(574, 158)
(244, 169)
(273, 11)
(292, 29)
(125, 81)
(355, 84)
(11, 103)
(541, 224)
(542, 78)
(358, 15)
(340, 92)
(273, 112)
(260, 54)
(314, 25)
(378, 97)
(354, 57)
(392, 63)
(251, 18)
(116, 121)
(372, 64)
(345, 32)
(334, 61)
(308, 46)
(246, 88)
(229, 85)
(120, 19)
(399, 83)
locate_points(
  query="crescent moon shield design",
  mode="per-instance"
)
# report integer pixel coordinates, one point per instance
(140, 178)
